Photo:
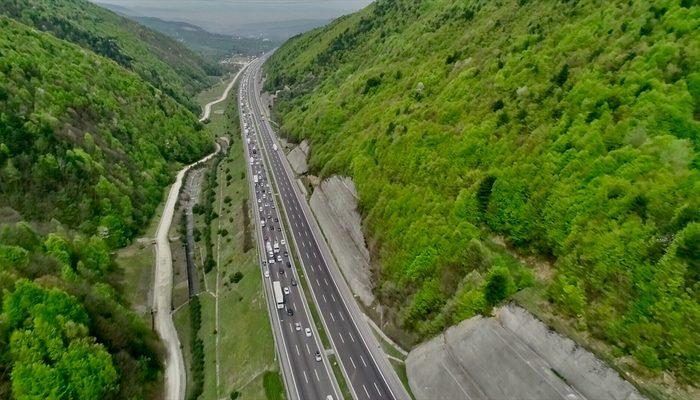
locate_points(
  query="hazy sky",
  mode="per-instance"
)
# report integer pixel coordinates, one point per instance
(225, 15)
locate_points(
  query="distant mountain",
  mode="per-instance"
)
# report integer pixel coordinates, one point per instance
(278, 30)
(157, 58)
(211, 45)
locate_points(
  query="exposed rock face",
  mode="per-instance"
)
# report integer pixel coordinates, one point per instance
(334, 203)
(297, 158)
(514, 356)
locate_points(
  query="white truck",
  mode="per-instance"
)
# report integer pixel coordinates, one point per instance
(251, 160)
(268, 247)
(279, 296)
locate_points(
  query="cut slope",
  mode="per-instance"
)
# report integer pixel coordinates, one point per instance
(569, 127)
(158, 59)
(83, 140)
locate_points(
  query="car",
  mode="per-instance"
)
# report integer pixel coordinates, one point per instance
(286, 254)
(278, 220)
(279, 258)
(297, 326)
(283, 242)
(307, 332)
(259, 201)
(318, 355)
(272, 261)
(290, 312)
(273, 206)
(260, 208)
(272, 227)
(267, 274)
(269, 217)
(294, 282)
(262, 223)
(286, 290)
(289, 264)
(281, 271)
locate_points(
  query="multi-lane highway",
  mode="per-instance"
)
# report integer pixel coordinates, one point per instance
(365, 368)
(305, 367)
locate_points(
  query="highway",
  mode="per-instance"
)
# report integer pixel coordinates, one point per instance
(306, 374)
(366, 369)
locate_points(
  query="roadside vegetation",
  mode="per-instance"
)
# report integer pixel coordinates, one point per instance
(245, 350)
(481, 133)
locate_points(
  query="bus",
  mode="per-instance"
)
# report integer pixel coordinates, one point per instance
(279, 296)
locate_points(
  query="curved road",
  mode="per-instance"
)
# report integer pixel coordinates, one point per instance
(175, 378)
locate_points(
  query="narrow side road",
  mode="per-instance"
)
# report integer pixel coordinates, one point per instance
(175, 378)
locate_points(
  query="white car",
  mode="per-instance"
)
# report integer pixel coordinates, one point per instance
(307, 332)
(267, 274)
(283, 242)
(259, 201)
(271, 261)
(297, 326)
(260, 208)
(279, 258)
(262, 223)
(318, 355)
(286, 290)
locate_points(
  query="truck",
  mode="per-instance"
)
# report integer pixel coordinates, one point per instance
(268, 247)
(251, 160)
(279, 296)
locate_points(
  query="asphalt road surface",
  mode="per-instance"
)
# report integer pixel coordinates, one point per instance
(305, 367)
(366, 370)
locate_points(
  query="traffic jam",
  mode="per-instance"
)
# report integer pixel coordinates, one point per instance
(276, 260)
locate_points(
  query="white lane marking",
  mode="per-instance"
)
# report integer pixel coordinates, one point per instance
(307, 254)
(377, 387)
(307, 348)
(366, 392)
(341, 316)
(326, 280)
(341, 337)
(298, 352)
(353, 363)
(290, 328)
(333, 297)
(324, 298)
(363, 360)
(351, 337)
(317, 282)
(294, 303)
(332, 317)
(307, 379)
(302, 244)
(317, 378)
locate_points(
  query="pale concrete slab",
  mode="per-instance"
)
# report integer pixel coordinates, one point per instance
(511, 356)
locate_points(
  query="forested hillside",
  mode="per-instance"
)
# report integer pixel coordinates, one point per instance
(86, 150)
(568, 127)
(158, 59)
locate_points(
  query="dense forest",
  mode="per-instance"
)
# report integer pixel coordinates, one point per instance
(158, 59)
(86, 150)
(568, 127)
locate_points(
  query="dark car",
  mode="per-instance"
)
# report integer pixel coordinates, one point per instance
(281, 271)
(290, 311)
(294, 282)
(289, 265)
(277, 219)
(272, 228)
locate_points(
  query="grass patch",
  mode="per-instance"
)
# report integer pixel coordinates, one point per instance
(344, 388)
(400, 369)
(274, 388)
